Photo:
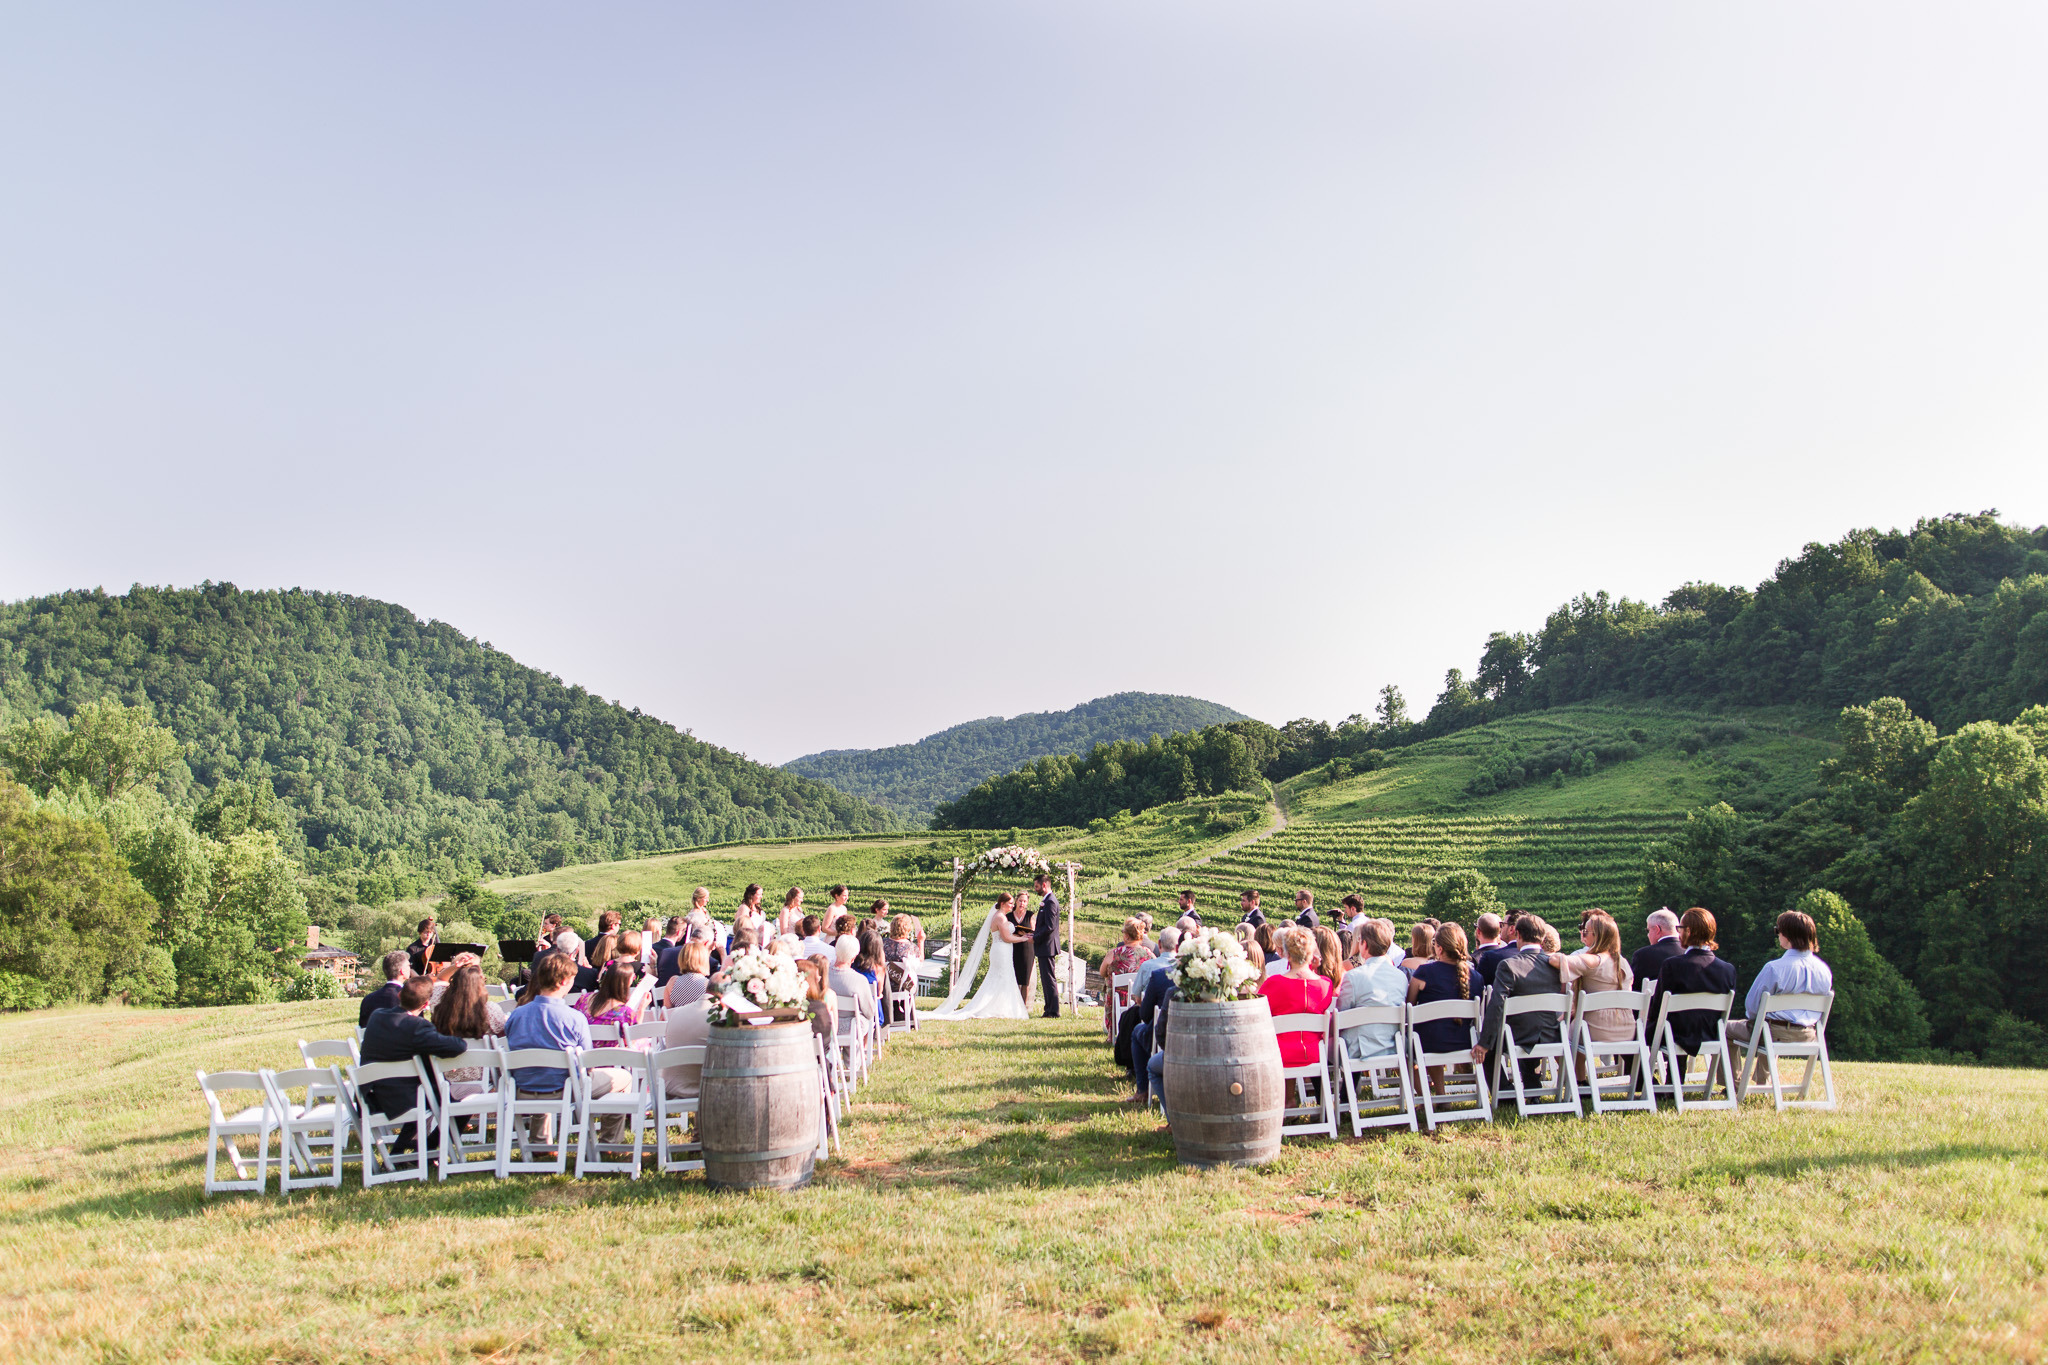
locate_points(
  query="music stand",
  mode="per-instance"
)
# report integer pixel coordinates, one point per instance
(521, 950)
(448, 952)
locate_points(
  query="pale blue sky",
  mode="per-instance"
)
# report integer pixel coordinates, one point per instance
(1007, 354)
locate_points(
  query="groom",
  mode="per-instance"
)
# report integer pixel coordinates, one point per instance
(1045, 942)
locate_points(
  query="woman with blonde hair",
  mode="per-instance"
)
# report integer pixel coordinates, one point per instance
(1329, 955)
(1598, 967)
(1421, 947)
(693, 974)
(1122, 960)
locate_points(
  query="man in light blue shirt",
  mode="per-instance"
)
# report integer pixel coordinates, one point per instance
(1376, 981)
(1797, 971)
(546, 1021)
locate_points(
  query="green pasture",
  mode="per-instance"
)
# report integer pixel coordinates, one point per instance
(996, 1203)
(1778, 753)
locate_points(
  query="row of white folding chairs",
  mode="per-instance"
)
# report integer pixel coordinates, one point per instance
(1628, 1073)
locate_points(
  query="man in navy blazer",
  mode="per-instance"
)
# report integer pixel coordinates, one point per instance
(1694, 970)
(1663, 946)
(397, 1034)
(1526, 971)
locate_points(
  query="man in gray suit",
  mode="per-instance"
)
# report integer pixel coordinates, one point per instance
(1526, 971)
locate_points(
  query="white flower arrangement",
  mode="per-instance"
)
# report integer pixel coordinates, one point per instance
(1211, 966)
(1011, 858)
(768, 981)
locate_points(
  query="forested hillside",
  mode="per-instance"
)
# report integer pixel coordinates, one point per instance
(912, 779)
(396, 743)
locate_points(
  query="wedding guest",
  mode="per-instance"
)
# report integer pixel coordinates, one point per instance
(1305, 908)
(1329, 956)
(1797, 971)
(568, 942)
(1298, 990)
(792, 911)
(818, 999)
(600, 953)
(871, 961)
(1354, 912)
(1447, 975)
(1526, 971)
(1168, 942)
(1551, 942)
(398, 1034)
(465, 1010)
(397, 966)
(1187, 908)
(1375, 981)
(1248, 905)
(667, 948)
(1269, 937)
(1122, 960)
(854, 992)
(1487, 945)
(611, 1002)
(1247, 939)
(1662, 928)
(421, 950)
(545, 1021)
(1396, 955)
(1421, 946)
(650, 943)
(692, 976)
(445, 973)
(687, 1025)
(746, 939)
(808, 940)
(1694, 970)
(1599, 967)
(629, 951)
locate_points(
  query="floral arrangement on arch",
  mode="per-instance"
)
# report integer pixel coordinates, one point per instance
(769, 980)
(1210, 966)
(1010, 858)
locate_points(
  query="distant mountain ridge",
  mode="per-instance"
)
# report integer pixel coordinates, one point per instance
(912, 779)
(392, 741)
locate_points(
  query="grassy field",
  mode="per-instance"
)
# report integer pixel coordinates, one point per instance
(1776, 753)
(995, 1204)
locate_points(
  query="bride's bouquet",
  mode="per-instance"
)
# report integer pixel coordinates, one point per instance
(768, 981)
(1011, 858)
(1211, 966)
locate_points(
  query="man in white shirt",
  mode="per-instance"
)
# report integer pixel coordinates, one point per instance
(1795, 972)
(848, 984)
(813, 943)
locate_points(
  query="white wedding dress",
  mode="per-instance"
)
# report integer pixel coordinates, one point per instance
(998, 996)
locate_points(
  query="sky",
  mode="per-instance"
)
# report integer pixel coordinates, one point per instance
(819, 376)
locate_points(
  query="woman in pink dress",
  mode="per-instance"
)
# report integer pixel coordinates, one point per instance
(1298, 990)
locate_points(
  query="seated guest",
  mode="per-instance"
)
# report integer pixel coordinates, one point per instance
(1248, 939)
(612, 1001)
(808, 941)
(1488, 948)
(1168, 944)
(1396, 955)
(693, 974)
(1600, 967)
(1150, 1028)
(1273, 960)
(445, 973)
(687, 1025)
(1329, 956)
(1646, 963)
(1796, 972)
(396, 1035)
(466, 1011)
(869, 962)
(1375, 981)
(1448, 975)
(1421, 946)
(667, 948)
(1122, 960)
(397, 967)
(1693, 970)
(819, 1001)
(546, 1021)
(1524, 972)
(850, 986)
(1298, 990)
(650, 944)
(602, 950)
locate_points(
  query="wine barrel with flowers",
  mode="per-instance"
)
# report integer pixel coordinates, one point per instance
(761, 1106)
(1221, 1076)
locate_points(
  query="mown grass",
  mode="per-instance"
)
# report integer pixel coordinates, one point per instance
(995, 1203)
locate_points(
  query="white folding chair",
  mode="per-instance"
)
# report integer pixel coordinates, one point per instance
(632, 1105)
(1630, 1056)
(680, 1153)
(341, 1055)
(1120, 998)
(485, 1104)
(515, 1114)
(604, 1035)
(652, 1031)
(1507, 1058)
(1815, 1053)
(305, 1128)
(1309, 1117)
(381, 1164)
(1715, 1051)
(1455, 1092)
(902, 1009)
(257, 1121)
(851, 1039)
(1380, 1080)
(497, 990)
(828, 1112)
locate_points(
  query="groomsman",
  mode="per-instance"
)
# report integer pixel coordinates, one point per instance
(1249, 904)
(1305, 908)
(1187, 908)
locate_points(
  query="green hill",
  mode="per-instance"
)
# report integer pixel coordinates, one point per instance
(395, 742)
(912, 779)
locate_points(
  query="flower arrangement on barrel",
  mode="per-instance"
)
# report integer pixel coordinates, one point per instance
(1211, 966)
(772, 983)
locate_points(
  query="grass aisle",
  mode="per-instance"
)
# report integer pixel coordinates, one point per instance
(996, 1204)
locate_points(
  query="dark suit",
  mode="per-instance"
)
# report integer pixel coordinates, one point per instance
(1307, 918)
(1694, 970)
(394, 1036)
(1255, 917)
(1045, 943)
(1489, 957)
(385, 997)
(1525, 972)
(1190, 913)
(1647, 962)
(665, 962)
(1151, 1012)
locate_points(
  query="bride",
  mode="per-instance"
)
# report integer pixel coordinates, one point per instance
(999, 997)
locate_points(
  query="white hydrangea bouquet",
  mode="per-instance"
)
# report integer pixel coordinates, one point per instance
(1210, 966)
(769, 982)
(1011, 858)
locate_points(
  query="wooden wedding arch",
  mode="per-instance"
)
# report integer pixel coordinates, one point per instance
(964, 873)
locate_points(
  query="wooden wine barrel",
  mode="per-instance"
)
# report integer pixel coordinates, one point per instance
(758, 1113)
(1224, 1095)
